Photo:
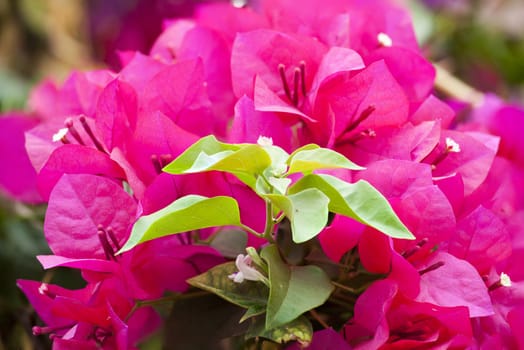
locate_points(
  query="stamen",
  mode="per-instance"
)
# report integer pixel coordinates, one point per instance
(156, 164)
(108, 250)
(504, 281)
(165, 159)
(89, 132)
(303, 77)
(431, 267)
(296, 77)
(113, 238)
(72, 130)
(451, 147)
(384, 40)
(415, 249)
(363, 116)
(44, 290)
(282, 71)
(37, 330)
(60, 135)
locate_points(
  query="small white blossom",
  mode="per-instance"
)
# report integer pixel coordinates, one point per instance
(384, 40)
(43, 289)
(245, 270)
(505, 280)
(265, 141)
(60, 134)
(239, 3)
(452, 146)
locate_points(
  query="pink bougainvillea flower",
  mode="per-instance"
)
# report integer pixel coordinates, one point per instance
(18, 177)
(452, 282)
(482, 239)
(340, 237)
(325, 339)
(385, 319)
(91, 316)
(81, 205)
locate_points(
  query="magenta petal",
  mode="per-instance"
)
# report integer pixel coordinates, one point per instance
(326, 339)
(120, 328)
(455, 283)
(139, 70)
(516, 322)
(336, 60)
(482, 239)
(266, 100)
(116, 113)
(260, 52)
(18, 177)
(369, 327)
(168, 43)
(412, 71)
(474, 160)
(186, 102)
(375, 251)
(249, 125)
(77, 206)
(156, 135)
(348, 98)
(96, 265)
(341, 236)
(75, 159)
(433, 109)
(405, 275)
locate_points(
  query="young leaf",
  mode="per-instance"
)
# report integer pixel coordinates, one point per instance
(308, 160)
(185, 214)
(248, 294)
(243, 160)
(299, 329)
(359, 200)
(294, 290)
(306, 210)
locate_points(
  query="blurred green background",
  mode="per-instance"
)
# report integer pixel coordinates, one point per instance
(481, 42)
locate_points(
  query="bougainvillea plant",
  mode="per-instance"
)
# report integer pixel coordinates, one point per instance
(218, 173)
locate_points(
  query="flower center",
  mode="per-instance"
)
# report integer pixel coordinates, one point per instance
(70, 128)
(299, 82)
(106, 236)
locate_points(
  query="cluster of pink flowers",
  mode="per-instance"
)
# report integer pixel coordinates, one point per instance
(344, 74)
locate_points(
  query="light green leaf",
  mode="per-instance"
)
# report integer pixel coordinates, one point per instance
(248, 294)
(359, 200)
(208, 145)
(299, 329)
(279, 184)
(306, 210)
(243, 160)
(293, 290)
(308, 160)
(185, 214)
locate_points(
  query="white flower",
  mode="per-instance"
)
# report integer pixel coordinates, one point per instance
(60, 134)
(452, 146)
(245, 270)
(505, 280)
(265, 141)
(384, 40)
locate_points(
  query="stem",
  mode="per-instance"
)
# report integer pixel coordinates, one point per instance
(268, 231)
(344, 287)
(319, 319)
(250, 230)
(450, 85)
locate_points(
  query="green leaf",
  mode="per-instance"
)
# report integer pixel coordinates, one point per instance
(248, 294)
(299, 329)
(207, 154)
(230, 242)
(359, 200)
(308, 160)
(306, 210)
(253, 311)
(185, 214)
(294, 290)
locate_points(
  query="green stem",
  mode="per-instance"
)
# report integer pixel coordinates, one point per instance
(268, 231)
(250, 230)
(344, 287)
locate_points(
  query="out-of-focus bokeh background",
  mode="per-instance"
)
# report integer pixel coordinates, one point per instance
(479, 41)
